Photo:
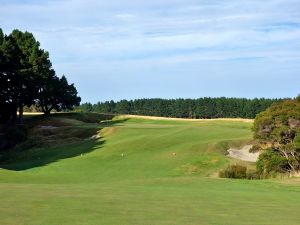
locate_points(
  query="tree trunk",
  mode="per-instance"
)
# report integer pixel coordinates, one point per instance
(14, 114)
(45, 110)
(21, 114)
(285, 154)
(47, 113)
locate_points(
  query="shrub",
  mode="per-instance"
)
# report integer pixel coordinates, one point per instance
(28, 144)
(16, 134)
(255, 148)
(253, 175)
(239, 172)
(271, 161)
(234, 171)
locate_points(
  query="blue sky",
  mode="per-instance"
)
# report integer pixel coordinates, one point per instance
(127, 49)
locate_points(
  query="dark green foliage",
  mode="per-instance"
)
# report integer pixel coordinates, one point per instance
(15, 134)
(271, 161)
(278, 120)
(85, 107)
(21, 73)
(57, 94)
(30, 143)
(184, 108)
(278, 129)
(27, 78)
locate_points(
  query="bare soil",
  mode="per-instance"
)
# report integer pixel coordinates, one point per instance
(243, 154)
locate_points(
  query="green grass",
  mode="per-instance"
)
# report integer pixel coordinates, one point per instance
(90, 182)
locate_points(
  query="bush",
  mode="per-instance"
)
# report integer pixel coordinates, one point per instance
(15, 135)
(234, 171)
(255, 148)
(239, 172)
(11, 135)
(271, 161)
(253, 175)
(28, 144)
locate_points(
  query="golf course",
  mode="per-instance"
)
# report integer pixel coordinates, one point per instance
(161, 112)
(139, 171)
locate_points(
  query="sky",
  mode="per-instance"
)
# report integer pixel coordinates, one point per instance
(129, 49)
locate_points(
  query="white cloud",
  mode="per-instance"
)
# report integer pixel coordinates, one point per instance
(108, 34)
(126, 17)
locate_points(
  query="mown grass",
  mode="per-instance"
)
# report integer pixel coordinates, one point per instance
(148, 172)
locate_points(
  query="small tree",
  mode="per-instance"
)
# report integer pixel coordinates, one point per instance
(57, 94)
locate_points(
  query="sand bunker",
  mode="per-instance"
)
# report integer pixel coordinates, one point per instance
(243, 154)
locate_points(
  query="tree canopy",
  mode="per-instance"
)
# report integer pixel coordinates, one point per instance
(27, 78)
(277, 131)
(184, 108)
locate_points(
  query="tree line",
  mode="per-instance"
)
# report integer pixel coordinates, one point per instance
(27, 78)
(184, 108)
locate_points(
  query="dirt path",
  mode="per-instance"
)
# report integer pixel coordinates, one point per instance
(243, 154)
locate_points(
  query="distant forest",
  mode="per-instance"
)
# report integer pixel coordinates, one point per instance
(184, 108)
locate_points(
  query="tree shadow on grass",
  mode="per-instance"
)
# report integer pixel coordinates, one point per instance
(43, 156)
(38, 157)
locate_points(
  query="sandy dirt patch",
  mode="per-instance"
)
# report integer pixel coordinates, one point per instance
(243, 154)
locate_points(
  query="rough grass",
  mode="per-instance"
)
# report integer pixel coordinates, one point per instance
(131, 176)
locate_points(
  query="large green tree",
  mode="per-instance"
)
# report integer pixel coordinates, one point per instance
(27, 77)
(10, 77)
(277, 131)
(22, 66)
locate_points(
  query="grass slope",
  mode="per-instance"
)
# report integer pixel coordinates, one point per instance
(131, 176)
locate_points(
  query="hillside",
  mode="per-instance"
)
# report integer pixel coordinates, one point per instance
(138, 171)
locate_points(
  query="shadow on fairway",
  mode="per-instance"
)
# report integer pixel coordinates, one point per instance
(38, 157)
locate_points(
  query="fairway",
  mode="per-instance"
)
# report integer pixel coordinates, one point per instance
(144, 172)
